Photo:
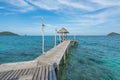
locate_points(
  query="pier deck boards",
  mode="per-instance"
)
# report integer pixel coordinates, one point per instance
(36, 73)
(55, 55)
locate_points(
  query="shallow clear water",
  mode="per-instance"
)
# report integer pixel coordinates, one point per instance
(96, 57)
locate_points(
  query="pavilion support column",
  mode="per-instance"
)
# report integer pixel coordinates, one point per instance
(59, 38)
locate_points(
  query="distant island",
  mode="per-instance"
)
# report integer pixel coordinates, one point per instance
(7, 33)
(113, 34)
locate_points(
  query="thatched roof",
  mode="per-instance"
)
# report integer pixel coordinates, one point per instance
(63, 30)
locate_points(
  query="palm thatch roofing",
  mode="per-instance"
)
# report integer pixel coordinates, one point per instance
(63, 30)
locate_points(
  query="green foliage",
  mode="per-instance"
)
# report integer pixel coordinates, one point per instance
(6, 33)
(113, 34)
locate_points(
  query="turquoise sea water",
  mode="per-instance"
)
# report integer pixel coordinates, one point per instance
(22, 48)
(96, 57)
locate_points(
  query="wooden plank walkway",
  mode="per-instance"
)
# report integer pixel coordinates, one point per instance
(55, 55)
(36, 73)
(43, 67)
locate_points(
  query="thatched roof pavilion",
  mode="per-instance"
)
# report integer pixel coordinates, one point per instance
(63, 30)
(63, 33)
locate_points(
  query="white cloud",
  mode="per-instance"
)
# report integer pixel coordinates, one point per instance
(29, 5)
(75, 4)
(20, 5)
(46, 4)
(107, 2)
(59, 5)
(107, 18)
(8, 13)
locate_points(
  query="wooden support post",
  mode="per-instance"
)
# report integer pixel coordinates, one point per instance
(58, 72)
(75, 43)
(58, 67)
(65, 58)
(67, 51)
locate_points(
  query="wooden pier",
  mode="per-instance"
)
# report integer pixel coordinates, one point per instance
(42, 68)
(55, 55)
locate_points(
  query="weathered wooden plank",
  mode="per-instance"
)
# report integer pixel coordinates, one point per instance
(12, 76)
(17, 65)
(40, 74)
(17, 73)
(43, 73)
(50, 73)
(25, 77)
(30, 71)
(21, 73)
(54, 75)
(8, 76)
(36, 74)
(26, 70)
(46, 73)
(3, 74)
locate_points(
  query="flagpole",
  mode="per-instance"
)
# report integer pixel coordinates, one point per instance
(55, 36)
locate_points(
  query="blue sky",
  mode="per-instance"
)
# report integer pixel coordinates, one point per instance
(80, 17)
